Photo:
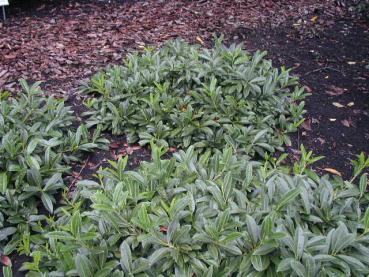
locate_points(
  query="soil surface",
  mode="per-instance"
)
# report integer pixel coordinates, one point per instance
(64, 42)
(334, 66)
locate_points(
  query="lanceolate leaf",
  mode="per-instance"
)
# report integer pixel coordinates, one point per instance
(83, 266)
(38, 142)
(125, 257)
(47, 201)
(287, 198)
(158, 255)
(3, 182)
(176, 220)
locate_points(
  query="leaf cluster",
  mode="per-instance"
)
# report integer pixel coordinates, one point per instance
(207, 215)
(182, 95)
(38, 141)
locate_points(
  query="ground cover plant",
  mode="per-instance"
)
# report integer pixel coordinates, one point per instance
(182, 95)
(210, 215)
(38, 143)
(133, 247)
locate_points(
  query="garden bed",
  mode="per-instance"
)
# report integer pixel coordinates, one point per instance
(317, 41)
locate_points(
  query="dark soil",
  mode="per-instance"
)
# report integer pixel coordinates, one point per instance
(62, 42)
(335, 68)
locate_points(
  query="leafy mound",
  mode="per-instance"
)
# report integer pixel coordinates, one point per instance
(184, 95)
(37, 142)
(209, 215)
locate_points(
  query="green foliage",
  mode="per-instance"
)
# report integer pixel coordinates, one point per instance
(184, 95)
(7, 271)
(208, 215)
(359, 6)
(362, 7)
(37, 143)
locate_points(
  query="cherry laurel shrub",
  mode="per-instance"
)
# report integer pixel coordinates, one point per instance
(208, 215)
(37, 143)
(182, 95)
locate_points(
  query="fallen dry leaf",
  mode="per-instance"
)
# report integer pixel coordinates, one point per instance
(69, 46)
(114, 145)
(308, 89)
(338, 105)
(314, 19)
(172, 149)
(332, 119)
(306, 125)
(5, 260)
(76, 174)
(333, 171)
(346, 122)
(350, 104)
(128, 150)
(335, 91)
(163, 229)
(200, 40)
(131, 149)
(321, 140)
(314, 120)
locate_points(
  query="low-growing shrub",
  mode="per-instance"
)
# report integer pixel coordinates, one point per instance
(37, 143)
(183, 95)
(208, 215)
(359, 6)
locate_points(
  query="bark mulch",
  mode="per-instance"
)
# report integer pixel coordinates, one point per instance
(64, 42)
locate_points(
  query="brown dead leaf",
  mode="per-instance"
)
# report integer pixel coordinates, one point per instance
(296, 154)
(306, 125)
(131, 149)
(332, 170)
(10, 56)
(163, 229)
(41, 7)
(128, 150)
(75, 174)
(314, 120)
(5, 260)
(3, 72)
(114, 145)
(346, 122)
(172, 149)
(335, 91)
(200, 40)
(321, 140)
(308, 89)
(314, 19)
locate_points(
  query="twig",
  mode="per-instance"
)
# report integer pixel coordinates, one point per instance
(76, 178)
(323, 68)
